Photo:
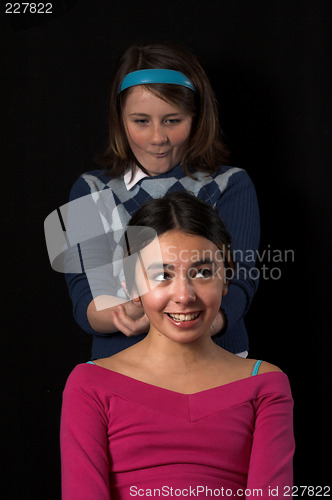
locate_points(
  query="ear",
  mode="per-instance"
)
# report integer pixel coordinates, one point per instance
(137, 301)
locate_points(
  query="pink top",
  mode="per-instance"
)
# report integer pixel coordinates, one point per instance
(122, 438)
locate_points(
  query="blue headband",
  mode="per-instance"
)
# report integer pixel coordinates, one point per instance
(146, 76)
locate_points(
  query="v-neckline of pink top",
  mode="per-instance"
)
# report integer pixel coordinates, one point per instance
(191, 406)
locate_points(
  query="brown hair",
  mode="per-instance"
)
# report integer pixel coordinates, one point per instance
(205, 151)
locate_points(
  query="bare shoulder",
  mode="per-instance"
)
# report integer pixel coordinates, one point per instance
(110, 363)
(103, 362)
(266, 367)
(239, 367)
(120, 362)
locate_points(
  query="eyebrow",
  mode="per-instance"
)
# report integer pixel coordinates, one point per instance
(159, 265)
(156, 265)
(203, 262)
(165, 116)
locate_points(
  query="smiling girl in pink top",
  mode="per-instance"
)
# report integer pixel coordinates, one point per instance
(176, 414)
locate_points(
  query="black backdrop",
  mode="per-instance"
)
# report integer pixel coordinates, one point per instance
(270, 65)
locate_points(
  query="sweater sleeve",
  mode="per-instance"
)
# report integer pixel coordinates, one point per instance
(238, 208)
(77, 283)
(271, 460)
(83, 440)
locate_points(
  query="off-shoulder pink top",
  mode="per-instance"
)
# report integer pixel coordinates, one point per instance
(122, 438)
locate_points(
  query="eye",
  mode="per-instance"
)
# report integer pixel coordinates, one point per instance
(173, 121)
(204, 272)
(160, 277)
(141, 121)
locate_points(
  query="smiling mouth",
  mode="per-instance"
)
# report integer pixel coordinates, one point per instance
(184, 317)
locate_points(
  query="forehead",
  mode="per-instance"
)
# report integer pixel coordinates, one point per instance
(177, 247)
(140, 99)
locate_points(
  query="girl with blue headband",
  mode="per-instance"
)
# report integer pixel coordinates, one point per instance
(164, 136)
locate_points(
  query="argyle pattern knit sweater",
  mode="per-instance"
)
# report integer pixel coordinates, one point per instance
(230, 191)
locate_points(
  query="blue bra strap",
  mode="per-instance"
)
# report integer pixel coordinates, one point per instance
(256, 367)
(90, 363)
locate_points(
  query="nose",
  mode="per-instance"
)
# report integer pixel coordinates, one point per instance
(184, 292)
(158, 135)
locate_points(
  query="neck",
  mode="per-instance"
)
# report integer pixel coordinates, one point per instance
(178, 357)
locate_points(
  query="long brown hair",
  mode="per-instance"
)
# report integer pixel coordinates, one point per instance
(205, 151)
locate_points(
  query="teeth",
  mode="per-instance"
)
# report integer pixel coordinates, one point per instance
(184, 317)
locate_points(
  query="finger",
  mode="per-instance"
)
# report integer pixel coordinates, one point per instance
(125, 319)
(130, 327)
(120, 325)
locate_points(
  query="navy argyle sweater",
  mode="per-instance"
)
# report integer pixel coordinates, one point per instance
(231, 192)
